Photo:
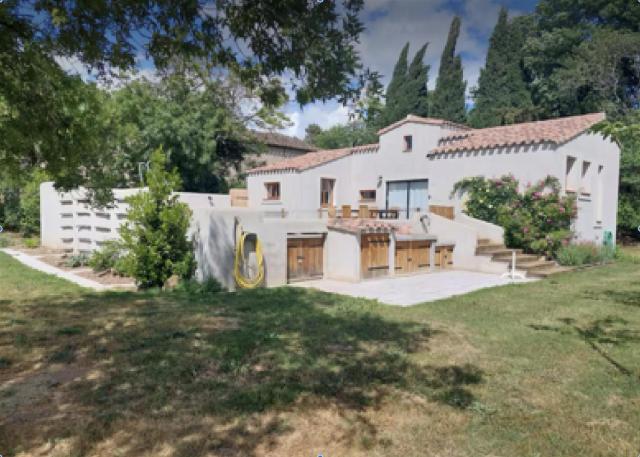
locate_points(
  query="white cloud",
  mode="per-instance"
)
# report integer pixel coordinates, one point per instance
(74, 66)
(325, 115)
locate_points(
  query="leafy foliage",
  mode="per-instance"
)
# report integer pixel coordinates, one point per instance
(583, 57)
(502, 96)
(584, 253)
(5, 242)
(199, 289)
(537, 220)
(30, 203)
(448, 99)
(76, 261)
(341, 136)
(407, 91)
(20, 202)
(626, 132)
(155, 234)
(315, 41)
(369, 107)
(194, 124)
(51, 119)
(486, 196)
(109, 257)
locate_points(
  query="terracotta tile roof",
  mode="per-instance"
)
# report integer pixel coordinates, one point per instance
(358, 225)
(313, 159)
(283, 141)
(422, 120)
(556, 131)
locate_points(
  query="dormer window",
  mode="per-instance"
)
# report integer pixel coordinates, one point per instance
(408, 143)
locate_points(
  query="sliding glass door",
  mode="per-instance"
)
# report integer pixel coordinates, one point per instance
(408, 196)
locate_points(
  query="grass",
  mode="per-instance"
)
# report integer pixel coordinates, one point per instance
(545, 368)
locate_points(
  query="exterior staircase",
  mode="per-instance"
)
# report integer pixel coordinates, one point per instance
(531, 264)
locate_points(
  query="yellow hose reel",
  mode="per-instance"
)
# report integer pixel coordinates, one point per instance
(242, 281)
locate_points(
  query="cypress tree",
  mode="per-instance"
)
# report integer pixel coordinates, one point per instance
(502, 96)
(407, 91)
(448, 99)
(415, 93)
(394, 88)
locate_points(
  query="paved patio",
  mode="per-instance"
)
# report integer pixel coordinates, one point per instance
(411, 290)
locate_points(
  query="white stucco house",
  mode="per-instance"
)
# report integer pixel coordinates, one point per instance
(387, 208)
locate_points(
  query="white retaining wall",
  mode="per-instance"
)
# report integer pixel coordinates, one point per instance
(69, 222)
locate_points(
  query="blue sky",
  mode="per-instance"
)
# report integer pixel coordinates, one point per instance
(391, 23)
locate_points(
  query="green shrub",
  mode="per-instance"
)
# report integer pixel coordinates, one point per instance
(537, 220)
(579, 254)
(9, 205)
(627, 255)
(30, 203)
(192, 287)
(4, 242)
(106, 257)
(76, 261)
(31, 243)
(155, 234)
(487, 196)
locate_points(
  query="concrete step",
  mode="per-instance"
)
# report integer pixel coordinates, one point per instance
(538, 266)
(498, 252)
(520, 258)
(481, 248)
(483, 241)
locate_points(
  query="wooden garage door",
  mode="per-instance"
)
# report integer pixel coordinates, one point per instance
(304, 258)
(444, 256)
(412, 256)
(374, 255)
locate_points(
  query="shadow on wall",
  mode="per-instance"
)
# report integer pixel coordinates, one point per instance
(194, 375)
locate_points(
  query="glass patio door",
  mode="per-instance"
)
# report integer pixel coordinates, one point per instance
(408, 196)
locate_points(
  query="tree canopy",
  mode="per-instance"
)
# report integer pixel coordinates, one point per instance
(407, 91)
(448, 98)
(196, 127)
(502, 96)
(55, 121)
(341, 136)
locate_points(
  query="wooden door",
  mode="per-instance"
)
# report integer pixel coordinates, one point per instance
(374, 255)
(421, 254)
(444, 256)
(412, 256)
(403, 257)
(304, 258)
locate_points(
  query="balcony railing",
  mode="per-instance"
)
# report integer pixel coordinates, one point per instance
(362, 212)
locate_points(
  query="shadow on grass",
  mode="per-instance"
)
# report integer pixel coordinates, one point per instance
(610, 331)
(624, 297)
(211, 374)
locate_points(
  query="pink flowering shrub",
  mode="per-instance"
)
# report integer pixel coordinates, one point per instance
(537, 220)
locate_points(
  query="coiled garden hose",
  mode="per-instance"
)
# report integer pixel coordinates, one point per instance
(241, 280)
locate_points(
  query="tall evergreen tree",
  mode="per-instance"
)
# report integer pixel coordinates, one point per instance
(502, 96)
(448, 99)
(415, 93)
(407, 92)
(394, 88)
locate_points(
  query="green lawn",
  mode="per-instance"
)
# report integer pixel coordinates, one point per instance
(550, 368)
